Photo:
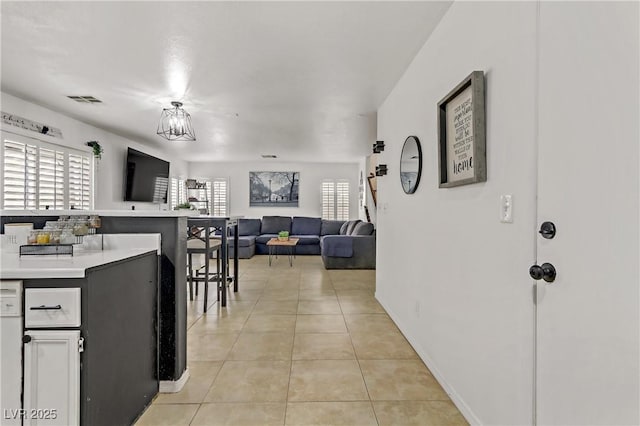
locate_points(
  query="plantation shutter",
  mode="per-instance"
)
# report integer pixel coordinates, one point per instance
(335, 200)
(40, 175)
(328, 200)
(342, 200)
(19, 176)
(178, 192)
(220, 198)
(79, 182)
(51, 179)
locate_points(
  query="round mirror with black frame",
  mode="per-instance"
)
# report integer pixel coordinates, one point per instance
(410, 164)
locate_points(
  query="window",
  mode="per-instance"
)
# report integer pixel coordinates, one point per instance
(79, 182)
(40, 175)
(220, 197)
(335, 200)
(214, 197)
(178, 192)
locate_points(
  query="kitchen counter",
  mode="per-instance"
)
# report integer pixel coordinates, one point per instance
(118, 305)
(172, 226)
(13, 266)
(85, 256)
(120, 213)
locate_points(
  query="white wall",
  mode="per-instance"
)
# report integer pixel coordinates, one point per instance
(109, 188)
(311, 176)
(449, 273)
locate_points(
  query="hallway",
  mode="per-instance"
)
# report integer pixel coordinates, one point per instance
(301, 346)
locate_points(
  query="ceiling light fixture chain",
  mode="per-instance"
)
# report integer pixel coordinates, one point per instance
(175, 124)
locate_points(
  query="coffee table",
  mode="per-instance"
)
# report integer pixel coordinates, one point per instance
(274, 243)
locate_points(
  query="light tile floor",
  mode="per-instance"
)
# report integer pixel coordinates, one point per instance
(301, 346)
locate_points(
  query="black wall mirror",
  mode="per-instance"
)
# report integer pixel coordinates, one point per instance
(410, 164)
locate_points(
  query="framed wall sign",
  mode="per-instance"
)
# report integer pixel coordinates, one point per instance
(461, 134)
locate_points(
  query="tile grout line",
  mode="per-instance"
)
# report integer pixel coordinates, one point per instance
(358, 361)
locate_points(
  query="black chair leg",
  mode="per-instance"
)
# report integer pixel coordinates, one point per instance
(219, 284)
(190, 278)
(206, 280)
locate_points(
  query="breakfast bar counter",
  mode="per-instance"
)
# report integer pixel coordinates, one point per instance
(14, 266)
(108, 300)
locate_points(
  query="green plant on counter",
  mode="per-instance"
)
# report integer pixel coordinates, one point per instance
(184, 206)
(97, 149)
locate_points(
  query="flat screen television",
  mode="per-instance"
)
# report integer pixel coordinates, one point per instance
(147, 178)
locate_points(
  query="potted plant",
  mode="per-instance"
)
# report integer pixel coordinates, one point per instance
(97, 149)
(186, 206)
(283, 235)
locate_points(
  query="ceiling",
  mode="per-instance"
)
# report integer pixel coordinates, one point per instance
(301, 80)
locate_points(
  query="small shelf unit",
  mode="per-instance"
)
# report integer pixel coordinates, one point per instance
(195, 189)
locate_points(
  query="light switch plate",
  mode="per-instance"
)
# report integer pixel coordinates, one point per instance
(506, 209)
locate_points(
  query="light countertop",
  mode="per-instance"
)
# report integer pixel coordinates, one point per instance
(106, 213)
(117, 247)
(61, 266)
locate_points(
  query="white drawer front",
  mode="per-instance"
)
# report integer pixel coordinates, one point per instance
(52, 307)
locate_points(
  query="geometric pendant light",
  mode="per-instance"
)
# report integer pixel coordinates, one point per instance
(175, 124)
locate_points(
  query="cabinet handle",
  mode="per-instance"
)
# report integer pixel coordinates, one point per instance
(45, 308)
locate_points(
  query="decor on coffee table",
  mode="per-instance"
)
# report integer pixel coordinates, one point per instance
(462, 134)
(283, 235)
(289, 243)
(273, 189)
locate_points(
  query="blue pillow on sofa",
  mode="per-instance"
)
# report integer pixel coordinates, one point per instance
(362, 228)
(249, 226)
(306, 225)
(275, 224)
(331, 227)
(347, 227)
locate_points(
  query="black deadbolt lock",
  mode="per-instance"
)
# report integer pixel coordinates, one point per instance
(547, 230)
(545, 272)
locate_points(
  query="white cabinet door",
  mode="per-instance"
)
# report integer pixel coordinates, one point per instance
(587, 360)
(52, 378)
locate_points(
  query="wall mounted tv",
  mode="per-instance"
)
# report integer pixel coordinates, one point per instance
(147, 178)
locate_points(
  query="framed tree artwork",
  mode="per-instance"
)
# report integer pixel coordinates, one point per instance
(274, 189)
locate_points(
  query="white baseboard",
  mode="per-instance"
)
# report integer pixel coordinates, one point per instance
(455, 397)
(170, 386)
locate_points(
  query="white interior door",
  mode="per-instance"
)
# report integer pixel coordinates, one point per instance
(587, 319)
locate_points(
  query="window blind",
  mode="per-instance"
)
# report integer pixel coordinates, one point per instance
(335, 200)
(178, 192)
(19, 176)
(39, 175)
(220, 198)
(342, 200)
(51, 179)
(79, 182)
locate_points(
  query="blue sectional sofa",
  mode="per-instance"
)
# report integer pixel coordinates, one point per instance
(343, 245)
(353, 248)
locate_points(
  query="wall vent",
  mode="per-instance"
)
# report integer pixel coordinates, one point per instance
(85, 99)
(269, 156)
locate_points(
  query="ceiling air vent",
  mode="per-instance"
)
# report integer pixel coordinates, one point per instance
(269, 156)
(85, 99)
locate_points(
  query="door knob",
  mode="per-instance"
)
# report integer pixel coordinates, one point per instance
(547, 230)
(545, 272)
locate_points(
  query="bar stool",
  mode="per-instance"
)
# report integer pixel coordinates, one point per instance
(206, 246)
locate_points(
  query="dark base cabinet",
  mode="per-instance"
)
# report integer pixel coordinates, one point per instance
(173, 281)
(119, 365)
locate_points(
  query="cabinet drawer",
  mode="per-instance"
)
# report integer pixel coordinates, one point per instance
(52, 307)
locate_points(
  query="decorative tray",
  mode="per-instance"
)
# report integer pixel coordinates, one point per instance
(44, 249)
